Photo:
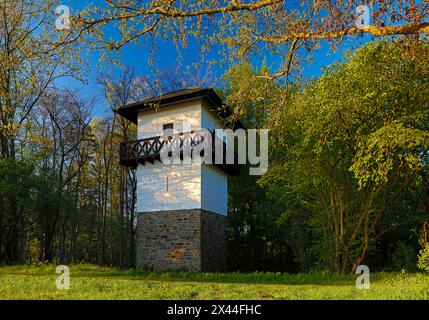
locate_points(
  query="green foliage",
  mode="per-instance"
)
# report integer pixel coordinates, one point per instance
(29, 200)
(423, 259)
(402, 257)
(257, 234)
(17, 180)
(353, 144)
(249, 95)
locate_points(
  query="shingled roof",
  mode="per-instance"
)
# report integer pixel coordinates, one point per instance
(130, 111)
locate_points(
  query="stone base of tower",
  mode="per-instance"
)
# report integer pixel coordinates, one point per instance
(181, 239)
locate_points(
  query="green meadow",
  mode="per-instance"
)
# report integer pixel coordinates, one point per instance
(92, 282)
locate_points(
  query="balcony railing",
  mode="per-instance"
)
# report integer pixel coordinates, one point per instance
(180, 145)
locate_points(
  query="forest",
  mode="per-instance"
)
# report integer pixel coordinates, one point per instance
(348, 177)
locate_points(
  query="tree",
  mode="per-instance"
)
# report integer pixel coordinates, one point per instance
(26, 71)
(26, 31)
(17, 180)
(357, 142)
(258, 238)
(287, 29)
(67, 130)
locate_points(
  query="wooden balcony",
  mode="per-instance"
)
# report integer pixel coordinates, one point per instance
(183, 144)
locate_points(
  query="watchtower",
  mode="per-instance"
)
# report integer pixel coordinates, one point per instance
(182, 206)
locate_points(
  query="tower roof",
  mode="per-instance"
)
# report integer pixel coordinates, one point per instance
(130, 111)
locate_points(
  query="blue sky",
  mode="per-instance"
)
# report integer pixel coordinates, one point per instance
(166, 58)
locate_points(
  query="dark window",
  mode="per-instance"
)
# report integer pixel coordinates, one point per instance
(167, 129)
(167, 126)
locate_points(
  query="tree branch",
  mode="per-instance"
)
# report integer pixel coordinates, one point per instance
(407, 29)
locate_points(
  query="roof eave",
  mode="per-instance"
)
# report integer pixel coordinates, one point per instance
(130, 112)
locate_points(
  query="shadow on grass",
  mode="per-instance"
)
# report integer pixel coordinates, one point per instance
(323, 278)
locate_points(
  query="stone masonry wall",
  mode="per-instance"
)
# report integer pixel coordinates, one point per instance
(213, 242)
(176, 239)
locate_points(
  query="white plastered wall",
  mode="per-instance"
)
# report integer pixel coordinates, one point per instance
(180, 186)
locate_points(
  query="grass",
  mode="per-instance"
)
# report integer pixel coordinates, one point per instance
(92, 282)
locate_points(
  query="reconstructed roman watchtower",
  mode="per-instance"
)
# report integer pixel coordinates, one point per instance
(182, 207)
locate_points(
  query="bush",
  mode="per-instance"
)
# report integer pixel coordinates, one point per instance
(402, 257)
(423, 262)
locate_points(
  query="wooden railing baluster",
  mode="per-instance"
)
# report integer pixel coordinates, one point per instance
(149, 149)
